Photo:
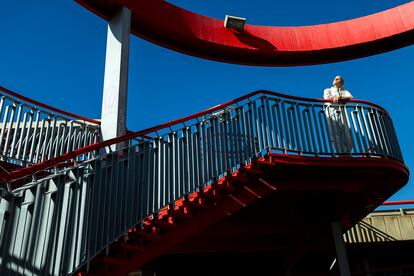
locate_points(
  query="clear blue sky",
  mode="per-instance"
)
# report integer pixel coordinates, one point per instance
(53, 51)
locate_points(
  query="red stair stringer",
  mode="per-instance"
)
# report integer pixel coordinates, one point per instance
(189, 217)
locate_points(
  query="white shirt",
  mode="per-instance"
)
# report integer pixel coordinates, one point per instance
(342, 93)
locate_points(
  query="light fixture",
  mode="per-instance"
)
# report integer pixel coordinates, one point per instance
(234, 22)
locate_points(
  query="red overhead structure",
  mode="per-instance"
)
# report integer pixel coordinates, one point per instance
(181, 30)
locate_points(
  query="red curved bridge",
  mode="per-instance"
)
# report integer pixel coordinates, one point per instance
(181, 30)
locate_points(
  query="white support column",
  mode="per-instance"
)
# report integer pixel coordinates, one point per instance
(341, 256)
(114, 102)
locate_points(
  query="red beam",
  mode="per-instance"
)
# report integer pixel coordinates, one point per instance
(181, 30)
(398, 202)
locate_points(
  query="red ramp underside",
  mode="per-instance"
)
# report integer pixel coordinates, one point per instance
(277, 202)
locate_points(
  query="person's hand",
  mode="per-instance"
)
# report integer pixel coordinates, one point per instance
(335, 99)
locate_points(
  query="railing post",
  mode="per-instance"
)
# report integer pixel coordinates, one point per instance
(114, 102)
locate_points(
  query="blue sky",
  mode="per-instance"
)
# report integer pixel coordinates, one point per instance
(53, 51)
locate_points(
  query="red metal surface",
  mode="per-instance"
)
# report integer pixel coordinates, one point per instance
(181, 30)
(272, 195)
(48, 107)
(399, 202)
(21, 173)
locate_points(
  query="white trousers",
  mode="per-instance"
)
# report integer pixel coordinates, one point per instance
(340, 136)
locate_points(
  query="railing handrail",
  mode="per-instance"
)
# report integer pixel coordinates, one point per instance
(48, 107)
(24, 172)
(398, 202)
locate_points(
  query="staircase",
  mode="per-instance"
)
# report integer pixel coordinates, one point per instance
(80, 207)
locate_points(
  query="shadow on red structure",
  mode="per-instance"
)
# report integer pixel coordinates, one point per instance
(278, 203)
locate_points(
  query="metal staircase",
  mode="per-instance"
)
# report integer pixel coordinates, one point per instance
(81, 207)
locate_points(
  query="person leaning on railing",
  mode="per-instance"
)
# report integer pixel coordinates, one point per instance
(337, 91)
(337, 124)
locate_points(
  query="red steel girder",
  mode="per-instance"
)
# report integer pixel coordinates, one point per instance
(181, 30)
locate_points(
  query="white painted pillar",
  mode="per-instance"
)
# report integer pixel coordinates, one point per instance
(341, 255)
(114, 102)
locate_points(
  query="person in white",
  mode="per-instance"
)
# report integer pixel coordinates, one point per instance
(337, 91)
(337, 122)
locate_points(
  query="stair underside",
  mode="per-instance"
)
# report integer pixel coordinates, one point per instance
(278, 201)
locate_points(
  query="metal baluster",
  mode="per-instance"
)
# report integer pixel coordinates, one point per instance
(131, 191)
(285, 124)
(397, 145)
(240, 150)
(219, 142)
(374, 132)
(211, 149)
(348, 130)
(34, 137)
(195, 177)
(381, 133)
(164, 172)
(281, 124)
(148, 181)
(70, 137)
(308, 142)
(182, 164)
(217, 147)
(157, 178)
(187, 159)
(317, 128)
(292, 127)
(364, 137)
(52, 136)
(297, 119)
(231, 146)
(206, 168)
(358, 137)
(328, 130)
(10, 129)
(269, 124)
(263, 125)
(58, 138)
(176, 164)
(63, 139)
(367, 130)
(143, 181)
(223, 148)
(245, 134)
(236, 141)
(250, 135)
(172, 164)
(4, 128)
(198, 151)
(256, 128)
(254, 132)
(391, 136)
(39, 142)
(27, 138)
(388, 135)
(113, 193)
(2, 100)
(46, 140)
(16, 130)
